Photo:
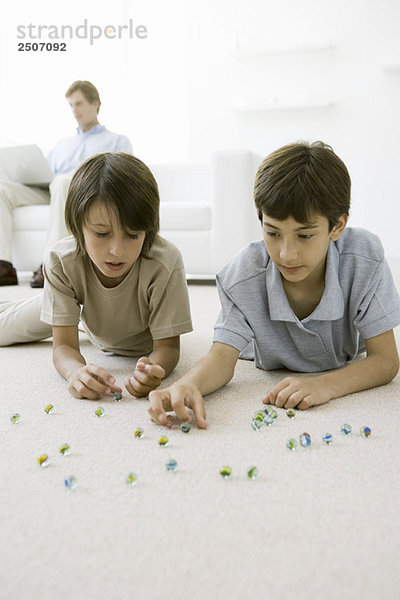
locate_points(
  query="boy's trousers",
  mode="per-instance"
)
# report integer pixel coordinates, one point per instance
(20, 321)
(15, 194)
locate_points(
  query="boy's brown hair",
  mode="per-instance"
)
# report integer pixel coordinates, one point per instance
(301, 180)
(127, 188)
(88, 90)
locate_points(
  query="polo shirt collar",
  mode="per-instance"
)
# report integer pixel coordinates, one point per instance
(331, 306)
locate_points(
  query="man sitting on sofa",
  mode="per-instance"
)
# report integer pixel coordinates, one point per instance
(91, 138)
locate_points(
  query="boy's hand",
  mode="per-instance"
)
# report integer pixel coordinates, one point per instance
(91, 382)
(177, 398)
(298, 392)
(146, 377)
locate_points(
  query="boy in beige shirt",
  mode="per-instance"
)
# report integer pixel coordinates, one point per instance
(124, 283)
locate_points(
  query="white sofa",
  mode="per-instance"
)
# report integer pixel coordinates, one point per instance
(207, 210)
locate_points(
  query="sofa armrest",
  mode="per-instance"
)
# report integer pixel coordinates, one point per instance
(234, 218)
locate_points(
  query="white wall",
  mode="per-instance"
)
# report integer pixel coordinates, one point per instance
(142, 83)
(315, 51)
(175, 93)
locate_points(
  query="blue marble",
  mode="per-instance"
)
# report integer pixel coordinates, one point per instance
(270, 418)
(171, 465)
(70, 482)
(365, 431)
(186, 427)
(305, 440)
(327, 438)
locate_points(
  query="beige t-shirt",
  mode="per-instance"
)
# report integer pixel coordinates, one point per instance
(151, 303)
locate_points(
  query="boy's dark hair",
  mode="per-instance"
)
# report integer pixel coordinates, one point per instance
(127, 188)
(88, 90)
(301, 180)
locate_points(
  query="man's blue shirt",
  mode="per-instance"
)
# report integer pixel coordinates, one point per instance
(70, 152)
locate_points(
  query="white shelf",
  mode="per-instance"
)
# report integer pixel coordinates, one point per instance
(295, 49)
(263, 106)
(391, 67)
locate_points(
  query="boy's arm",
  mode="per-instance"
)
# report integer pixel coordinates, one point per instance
(209, 374)
(84, 381)
(379, 367)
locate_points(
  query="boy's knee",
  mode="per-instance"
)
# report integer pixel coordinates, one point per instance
(60, 183)
(5, 198)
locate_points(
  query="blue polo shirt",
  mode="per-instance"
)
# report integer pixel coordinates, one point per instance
(360, 301)
(70, 152)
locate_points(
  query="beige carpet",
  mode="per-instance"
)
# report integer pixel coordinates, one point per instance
(319, 523)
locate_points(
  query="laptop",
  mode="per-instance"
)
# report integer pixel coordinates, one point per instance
(25, 164)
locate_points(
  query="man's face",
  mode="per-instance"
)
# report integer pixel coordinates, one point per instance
(84, 112)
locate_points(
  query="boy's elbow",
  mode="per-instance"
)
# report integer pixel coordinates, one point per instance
(174, 357)
(396, 367)
(391, 368)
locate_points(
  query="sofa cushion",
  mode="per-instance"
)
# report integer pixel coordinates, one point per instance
(180, 216)
(31, 218)
(197, 250)
(186, 183)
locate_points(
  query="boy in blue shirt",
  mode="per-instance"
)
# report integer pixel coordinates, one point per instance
(310, 297)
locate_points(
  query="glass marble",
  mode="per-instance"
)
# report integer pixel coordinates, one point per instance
(271, 417)
(186, 427)
(260, 412)
(365, 431)
(70, 482)
(345, 429)
(259, 417)
(256, 425)
(226, 472)
(291, 413)
(117, 396)
(163, 441)
(291, 444)
(131, 479)
(43, 460)
(65, 449)
(139, 433)
(171, 465)
(327, 438)
(267, 409)
(49, 409)
(252, 473)
(305, 439)
(15, 418)
(100, 411)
